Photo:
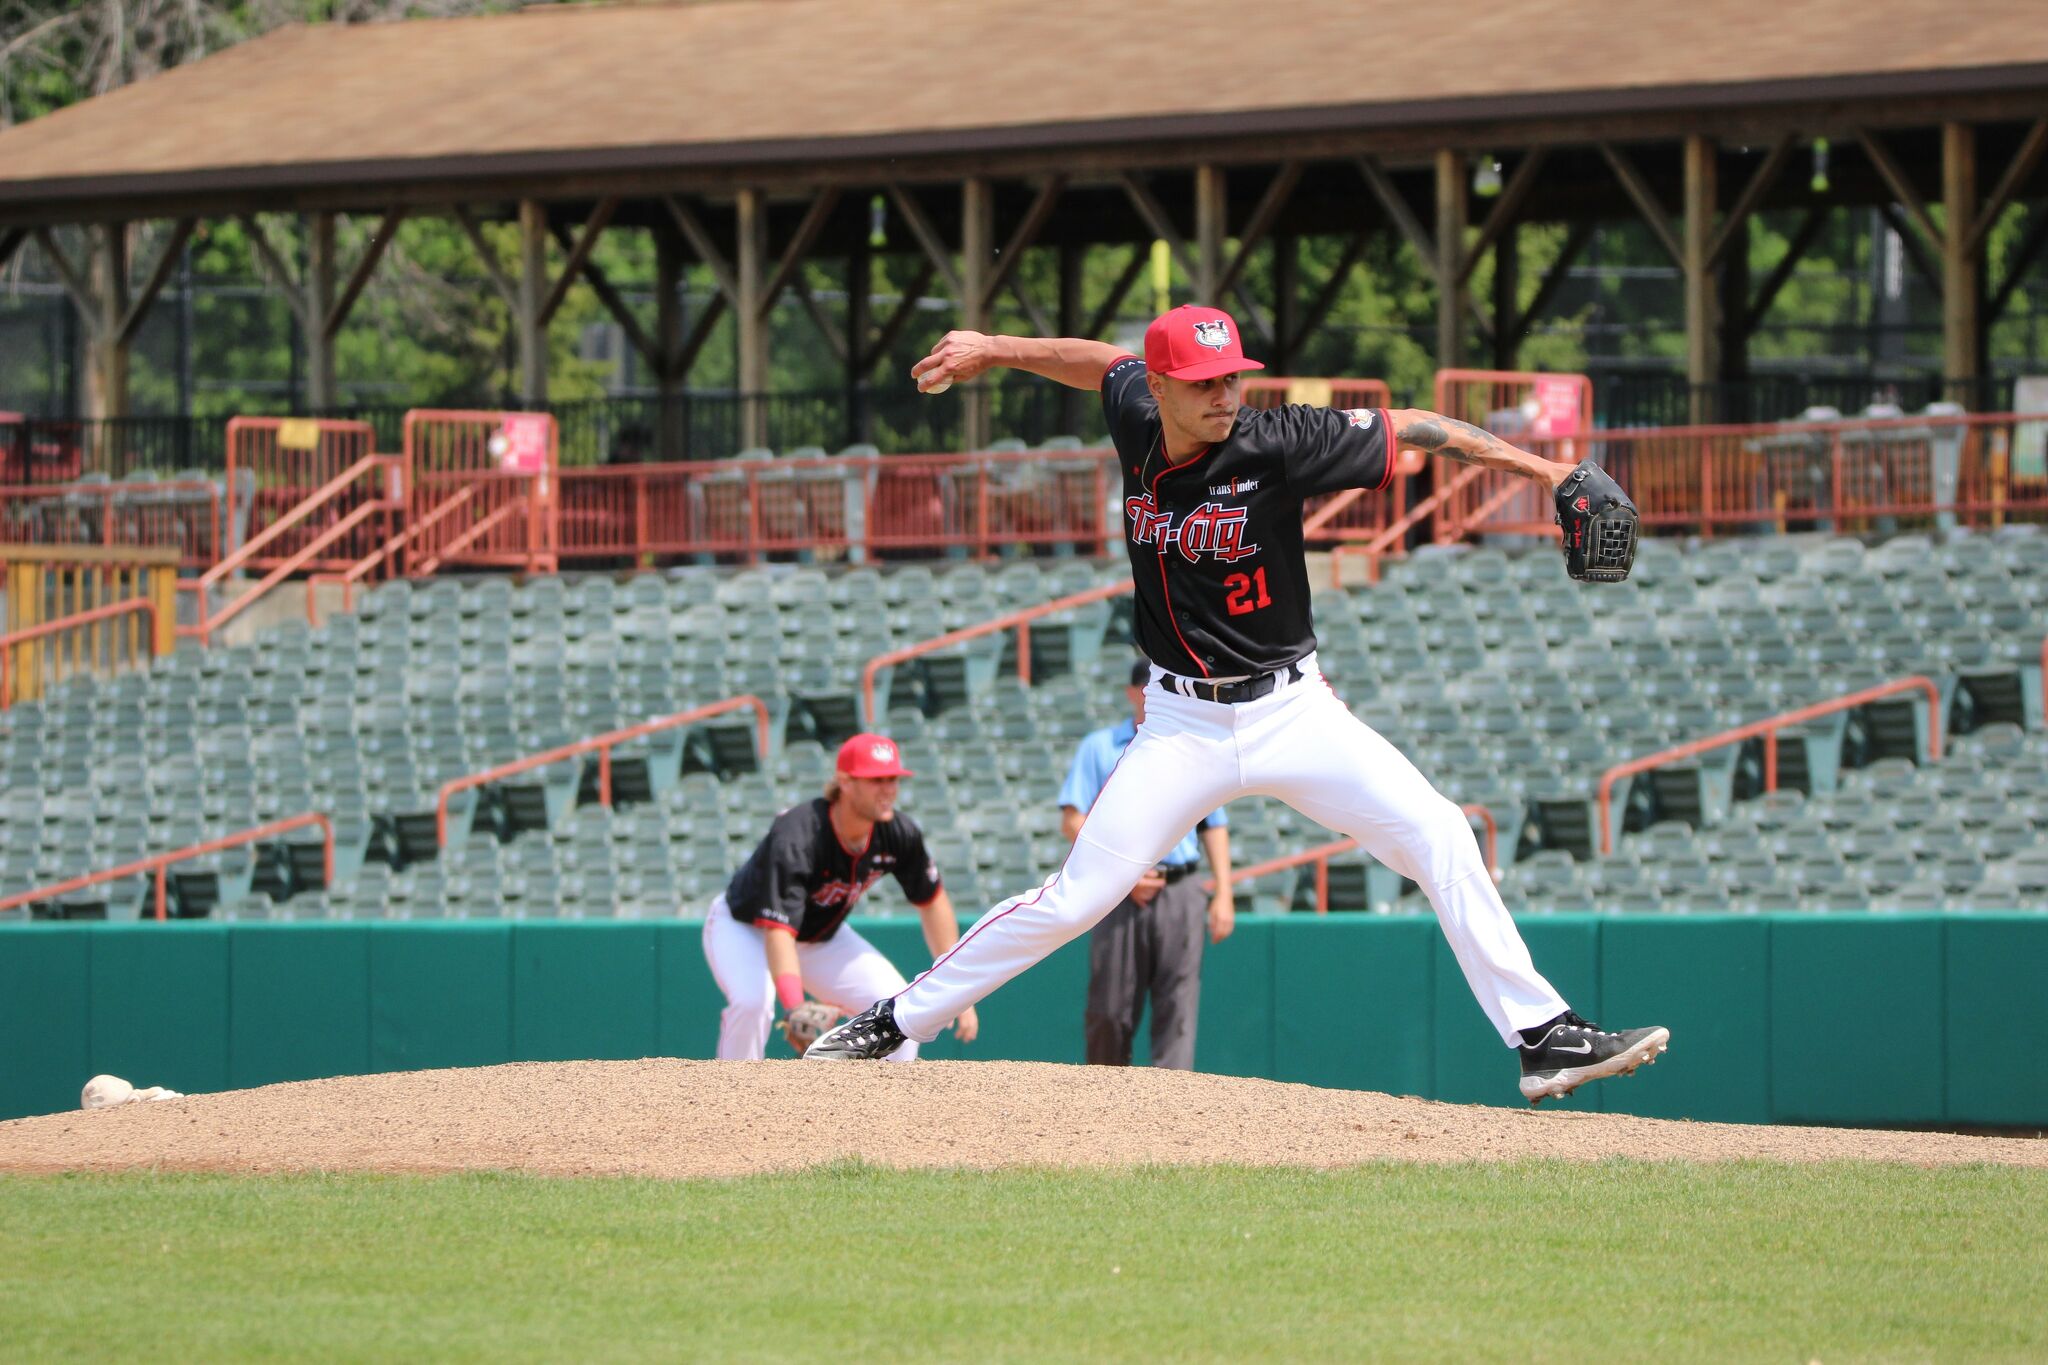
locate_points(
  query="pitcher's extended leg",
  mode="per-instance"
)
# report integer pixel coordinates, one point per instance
(1340, 772)
(1181, 766)
(849, 973)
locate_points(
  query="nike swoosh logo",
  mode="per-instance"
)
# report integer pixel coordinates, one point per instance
(1582, 1047)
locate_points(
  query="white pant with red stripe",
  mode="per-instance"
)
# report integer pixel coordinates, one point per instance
(1301, 744)
(845, 971)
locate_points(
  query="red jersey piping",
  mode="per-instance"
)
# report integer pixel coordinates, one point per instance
(1166, 591)
(1387, 430)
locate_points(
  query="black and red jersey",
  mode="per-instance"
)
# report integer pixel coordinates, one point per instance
(1215, 542)
(801, 877)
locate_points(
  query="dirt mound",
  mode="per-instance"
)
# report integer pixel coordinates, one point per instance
(676, 1118)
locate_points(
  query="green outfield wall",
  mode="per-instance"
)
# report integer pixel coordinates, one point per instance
(1838, 1019)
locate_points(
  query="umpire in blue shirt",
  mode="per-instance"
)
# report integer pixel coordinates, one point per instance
(1151, 944)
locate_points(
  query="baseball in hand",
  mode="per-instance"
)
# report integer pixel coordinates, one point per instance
(934, 388)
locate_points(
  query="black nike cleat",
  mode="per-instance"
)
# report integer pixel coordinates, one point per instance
(867, 1037)
(1573, 1051)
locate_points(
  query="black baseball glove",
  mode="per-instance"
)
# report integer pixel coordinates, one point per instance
(1599, 525)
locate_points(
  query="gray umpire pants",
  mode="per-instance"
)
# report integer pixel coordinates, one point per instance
(1139, 950)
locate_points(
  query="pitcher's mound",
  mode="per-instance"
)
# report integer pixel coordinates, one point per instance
(674, 1118)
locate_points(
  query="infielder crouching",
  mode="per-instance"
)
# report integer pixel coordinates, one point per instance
(1236, 705)
(779, 928)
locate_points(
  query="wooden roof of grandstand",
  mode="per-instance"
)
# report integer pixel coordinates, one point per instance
(707, 94)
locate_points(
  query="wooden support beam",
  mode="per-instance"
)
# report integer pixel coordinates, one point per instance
(1576, 238)
(1212, 225)
(1398, 212)
(579, 251)
(1160, 225)
(1023, 236)
(899, 318)
(2016, 172)
(650, 350)
(487, 257)
(1962, 276)
(1041, 322)
(685, 355)
(1507, 286)
(1645, 200)
(1326, 297)
(2028, 251)
(321, 390)
(1760, 182)
(528, 322)
(798, 248)
(1286, 298)
(1505, 213)
(166, 262)
(75, 283)
(1896, 180)
(668, 333)
(1452, 188)
(281, 274)
(107, 376)
(977, 255)
(827, 328)
(380, 240)
(1802, 240)
(935, 249)
(1702, 323)
(1119, 290)
(1264, 215)
(750, 267)
(705, 245)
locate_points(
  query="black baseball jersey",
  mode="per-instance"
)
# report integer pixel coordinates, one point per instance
(1216, 548)
(801, 877)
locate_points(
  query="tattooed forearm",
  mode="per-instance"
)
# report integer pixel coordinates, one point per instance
(1469, 444)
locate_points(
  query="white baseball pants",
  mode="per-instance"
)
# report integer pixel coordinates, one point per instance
(845, 971)
(1301, 744)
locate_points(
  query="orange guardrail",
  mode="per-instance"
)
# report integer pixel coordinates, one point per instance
(509, 462)
(160, 863)
(138, 649)
(1321, 854)
(287, 459)
(1767, 729)
(748, 508)
(202, 586)
(1393, 539)
(1021, 620)
(148, 515)
(602, 745)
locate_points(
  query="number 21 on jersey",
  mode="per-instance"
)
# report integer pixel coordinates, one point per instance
(1246, 593)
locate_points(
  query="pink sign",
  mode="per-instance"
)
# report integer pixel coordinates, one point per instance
(526, 443)
(1557, 405)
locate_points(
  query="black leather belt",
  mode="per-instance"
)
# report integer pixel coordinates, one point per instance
(1173, 872)
(1230, 693)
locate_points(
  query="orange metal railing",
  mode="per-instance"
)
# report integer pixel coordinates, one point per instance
(341, 485)
(748, 508)
(150, 515)
(1393, 539)
(505, 466)
(288, 459)
(602, 745)
(1321, 854)
(1768, 729)
(138, 648)
(1020, 620)
(160, 863)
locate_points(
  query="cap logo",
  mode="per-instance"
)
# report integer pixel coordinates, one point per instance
(1215, 334)
(882, 753)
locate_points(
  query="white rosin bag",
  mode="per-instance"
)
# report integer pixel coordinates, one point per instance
(104, 1092)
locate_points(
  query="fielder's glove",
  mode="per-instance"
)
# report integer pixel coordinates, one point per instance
(806, 1022)
(1599, 525)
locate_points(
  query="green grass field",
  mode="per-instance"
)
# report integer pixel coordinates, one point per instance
(1524, 1261)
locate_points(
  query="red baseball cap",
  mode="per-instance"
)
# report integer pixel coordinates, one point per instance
(1193, 342)
(871, 756)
